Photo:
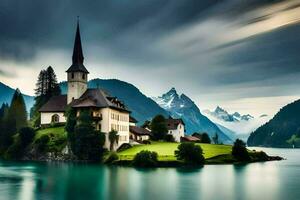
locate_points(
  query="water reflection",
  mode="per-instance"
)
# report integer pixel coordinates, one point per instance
(270, 180)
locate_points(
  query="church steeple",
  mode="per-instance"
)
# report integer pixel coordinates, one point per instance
(77, 57)
(77, 51)
(77, 73)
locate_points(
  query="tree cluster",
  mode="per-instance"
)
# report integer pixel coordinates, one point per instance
(145, 159)
(239, 151)
(46, 87)
(86, 143)
(190, 153)
(12, 119)
(204, 137)
(158, 127)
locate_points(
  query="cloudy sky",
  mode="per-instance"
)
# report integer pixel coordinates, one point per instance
(243, 55)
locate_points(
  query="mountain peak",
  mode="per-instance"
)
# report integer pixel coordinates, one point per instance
(172, 91)
(222, 114)
(220, 110)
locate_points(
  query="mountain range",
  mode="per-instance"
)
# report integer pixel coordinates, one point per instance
(222, 114)
(241, 125)
(144, 108)
(181, 106)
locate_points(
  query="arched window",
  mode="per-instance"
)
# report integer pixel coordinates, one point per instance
(55, 118)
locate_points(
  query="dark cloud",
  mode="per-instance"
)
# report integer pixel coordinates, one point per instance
(178, 38)
(30, 25)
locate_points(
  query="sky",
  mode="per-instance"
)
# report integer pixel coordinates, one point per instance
(241, 55)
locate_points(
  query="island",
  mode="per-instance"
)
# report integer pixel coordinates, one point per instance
(91, 125)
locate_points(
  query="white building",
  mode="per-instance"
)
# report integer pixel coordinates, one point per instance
(175, 128)
(108, 112)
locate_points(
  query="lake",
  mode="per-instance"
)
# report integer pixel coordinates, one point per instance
(269, 180)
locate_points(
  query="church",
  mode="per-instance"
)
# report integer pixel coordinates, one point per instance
(108, 112)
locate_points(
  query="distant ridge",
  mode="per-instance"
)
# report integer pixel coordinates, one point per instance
(284, 126)
(182, 106)
(6, 94)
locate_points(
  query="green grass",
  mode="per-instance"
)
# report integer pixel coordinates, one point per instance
(166, 150)
(57, 136)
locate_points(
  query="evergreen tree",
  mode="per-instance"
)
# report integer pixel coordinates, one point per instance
(87, 143)
(158, 127)
(216, 138)
(46, 87)
(15, 119)
(70, 126)
(52, 87)
(17, 110)
(205, 138)
(3, 116)
(113, 139)
(3, 111)
(239, 150)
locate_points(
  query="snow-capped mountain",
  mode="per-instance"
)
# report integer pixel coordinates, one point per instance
(242, 125)
(222, 114)
(181, 106)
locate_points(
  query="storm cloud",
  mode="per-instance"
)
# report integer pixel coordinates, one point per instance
(213, 50)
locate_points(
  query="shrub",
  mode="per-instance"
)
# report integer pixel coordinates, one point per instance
(146, 141)
(113, 156)
(205, 138)
(145, 159)
(239, 151)
(169, 138)
(113, 139)
(15, 151)
(42, 143)
(262, 156)
(190, 153)
(26, 135)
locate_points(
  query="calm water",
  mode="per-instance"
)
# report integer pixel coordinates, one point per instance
(270, 180)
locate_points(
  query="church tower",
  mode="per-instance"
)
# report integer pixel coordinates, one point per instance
(77, 73)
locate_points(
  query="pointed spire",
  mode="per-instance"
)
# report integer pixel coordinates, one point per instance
(77, 58)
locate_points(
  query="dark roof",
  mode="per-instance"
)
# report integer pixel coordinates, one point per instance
(139, 131)
(172, 124)
(55, 104)
(98, 98)
(190, 138)
(77, 58)
(132, 119)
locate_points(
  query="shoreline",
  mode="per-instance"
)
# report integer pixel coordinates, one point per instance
(160, 164)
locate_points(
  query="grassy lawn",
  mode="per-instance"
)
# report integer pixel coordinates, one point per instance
(166, 150)
(57, 136)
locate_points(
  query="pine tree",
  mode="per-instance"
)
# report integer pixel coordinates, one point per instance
(87, 143)
(3, 111)
(52, 87)
(159, 127)
(17, 111)
(46, 87)
(3, 116)
(15, 119)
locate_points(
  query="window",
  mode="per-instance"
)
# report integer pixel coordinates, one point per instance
(83, 76)
(55, 118)
(72, 75)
